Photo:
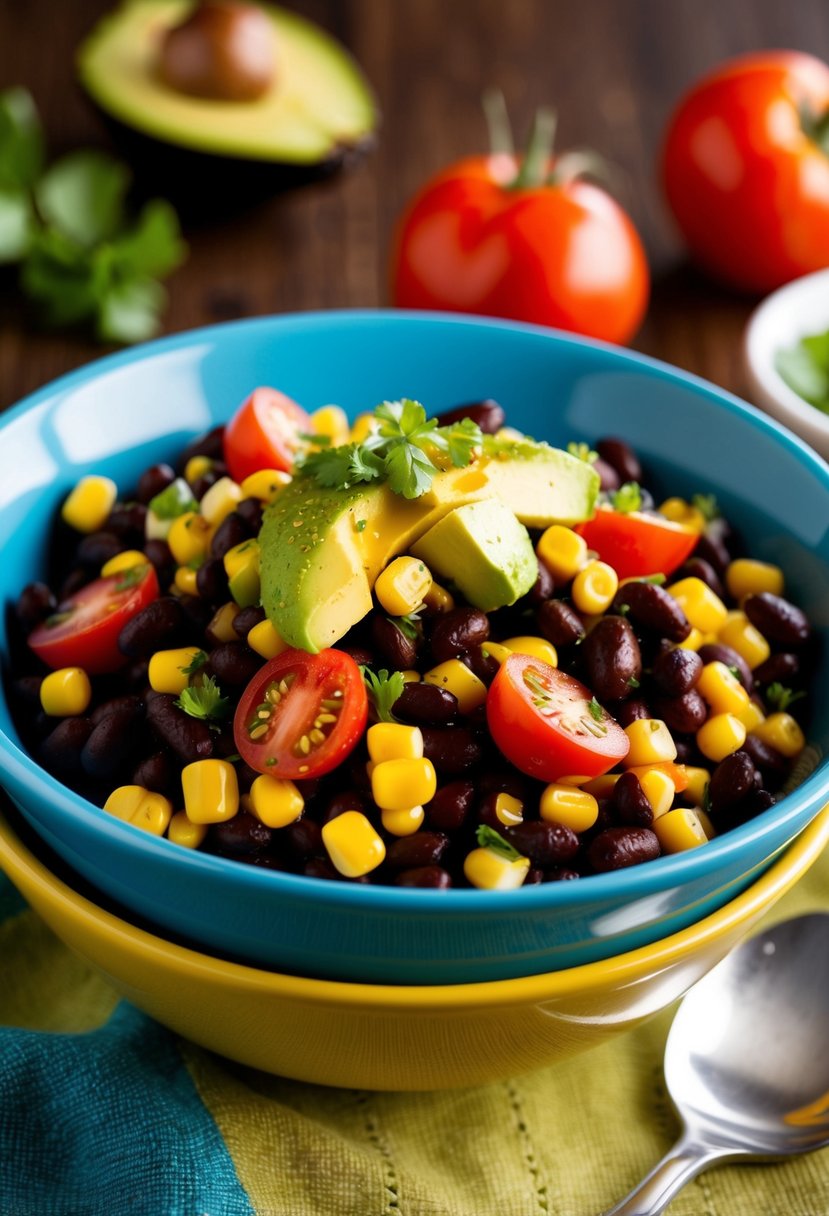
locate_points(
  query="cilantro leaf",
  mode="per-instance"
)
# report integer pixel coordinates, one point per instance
(383, 690)
(409, 470)
(582, 451)
(488, 838)
(627, 498)
(16, 221)
(204, 701)
(596, 712)
(153, 248)
(780, 698)
(805, 368)
(21, 139)
(707, 505)
(174, 500)
(196, 663)
(408, 624)
(129, 312)
(82, 196)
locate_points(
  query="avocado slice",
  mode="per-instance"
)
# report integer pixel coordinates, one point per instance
(319, 108)
(543, 485)
(484, 550)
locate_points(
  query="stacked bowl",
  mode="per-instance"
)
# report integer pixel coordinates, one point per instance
(389, 987)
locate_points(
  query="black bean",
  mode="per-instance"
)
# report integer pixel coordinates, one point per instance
(612, 658)
(450, 806)
(488, 415)
(630, 802)
(546, 844)
(419, 849)
(780, 668)
(433, 877)
(321, 867)
(201, 484)
(629, 711)
(230, 532)
(397, 650)
(158, 552)
(778, 620)
(128, 520)
(338, 804)
(543, 587)
(34, 604)
(559, 623)
(123, 703)
(26, 690)
(731, 780)
(60, 751)
(303, 838)
(682, 715)
(616, 848)
(698, 567)
(676, 671)
(453, 749)
(72, 583)
(114, 738)
(717, 652)
(247, 619)
(481, 663)
(651, 607)
(190, 738)
(425, 704)
(158, 772)
(242, 834)
(609, 479)
(198, 614)
(211, 581)
(771, 763)
(621, 457)
(713, 550)
(560, 874)
(233, 663)
(361, 655)
(209, 444)
(97, 548)
(506, 780)
(458, 631)
(162, 623)
(153, 480)
(250, 510)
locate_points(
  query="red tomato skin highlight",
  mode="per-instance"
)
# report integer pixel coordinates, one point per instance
(748, 188)
(264, 433)
(564, 256)
(537, 745)
(637, 545)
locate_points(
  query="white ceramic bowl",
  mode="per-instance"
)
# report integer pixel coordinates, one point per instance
(787, 315)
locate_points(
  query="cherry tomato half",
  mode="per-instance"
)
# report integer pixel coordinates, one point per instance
(636, 544)
(84, 631)
(548, 724)
(302, 714)
(265, 433)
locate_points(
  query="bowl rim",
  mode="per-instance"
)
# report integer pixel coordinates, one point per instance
(628, 883)
(27, 871)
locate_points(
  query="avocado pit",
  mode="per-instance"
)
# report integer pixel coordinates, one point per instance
(222, 51)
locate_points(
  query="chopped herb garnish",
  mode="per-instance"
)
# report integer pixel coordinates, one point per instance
(204, 701)
(627, 498)
(233, 757)
(361, 525)
(488, 838)
(656, 579)
(196, 663)
(408, 624)
(706, 797)
(320, 441)
(633, 682)
(805, 368)
(596, 711)
(780, 698)
(131, 577)
(583, 451)
(383, 690)
(707, 506)
(176, 499)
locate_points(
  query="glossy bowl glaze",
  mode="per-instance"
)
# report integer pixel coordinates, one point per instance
(139, 407)
(371, 1036)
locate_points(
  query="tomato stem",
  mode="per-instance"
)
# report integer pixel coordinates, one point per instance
(501, 142)
(538, 151)
(578, 163)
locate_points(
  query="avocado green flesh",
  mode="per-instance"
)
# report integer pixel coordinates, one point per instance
(484, 550)
(543, 485)
(319, 102)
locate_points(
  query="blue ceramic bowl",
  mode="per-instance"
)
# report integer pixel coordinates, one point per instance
(139, 407)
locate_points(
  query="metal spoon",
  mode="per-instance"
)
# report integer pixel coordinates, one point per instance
(747, 1060)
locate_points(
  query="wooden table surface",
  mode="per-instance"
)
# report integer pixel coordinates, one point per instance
(613, 68)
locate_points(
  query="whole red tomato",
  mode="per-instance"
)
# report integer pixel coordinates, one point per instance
(746, 170)
(554, 252)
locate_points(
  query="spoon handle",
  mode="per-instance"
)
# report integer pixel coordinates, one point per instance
(680, 1164)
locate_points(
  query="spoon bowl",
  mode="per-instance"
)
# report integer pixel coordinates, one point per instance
(746, 1063)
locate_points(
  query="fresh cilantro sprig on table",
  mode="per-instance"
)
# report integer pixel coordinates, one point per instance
(204, 701)
(805, 368)
(400, 451)
(488, 838)
(82, 261)
(383, 690)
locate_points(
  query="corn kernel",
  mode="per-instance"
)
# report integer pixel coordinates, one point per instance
(332, 422)
(363, 426)
(217, 503)
(182, 831)
(221, 623)
(411, 677)
(189, 537)
(599, 787)
(65, 692)
(186, 581)
(572, 807)
(403, 823)
(266, 640)
(747, 576)
(211, 791)
(739, 633)
(491, 871)
(698, 779)
(455, 677)
(679, 830)
(275, 802)
(537, 648)
(694, 640)
(240, 557)
(401, 587)
(781, 731)
(702, 606)
(499, 652)
(196, 467)
(659, 790)
(508, 810)
(721, 735)
(650, 742)
(166, 672)
(142, 808)
(352, 844)
(88, 505)
(594, 587)
(722, 690)
(705, 823)
(752, 715)
(398, 784)
(678, 511)
(562, 551)
(264, 484)
(438, 599)
(128, 559)
(394, 741)
(241, 565)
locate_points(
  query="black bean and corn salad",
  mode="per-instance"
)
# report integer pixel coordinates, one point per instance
(431, 653)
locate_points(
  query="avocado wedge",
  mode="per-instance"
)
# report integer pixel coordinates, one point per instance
(316, 115)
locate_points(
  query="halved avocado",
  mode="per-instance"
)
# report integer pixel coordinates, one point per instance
(318, 113)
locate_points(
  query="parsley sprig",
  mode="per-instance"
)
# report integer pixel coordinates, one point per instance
(204, 700)
(400, 451)
(383, 690)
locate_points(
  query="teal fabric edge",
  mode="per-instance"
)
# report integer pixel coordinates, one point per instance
(109, 1121)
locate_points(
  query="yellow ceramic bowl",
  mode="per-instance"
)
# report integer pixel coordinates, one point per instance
(374, 1037)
